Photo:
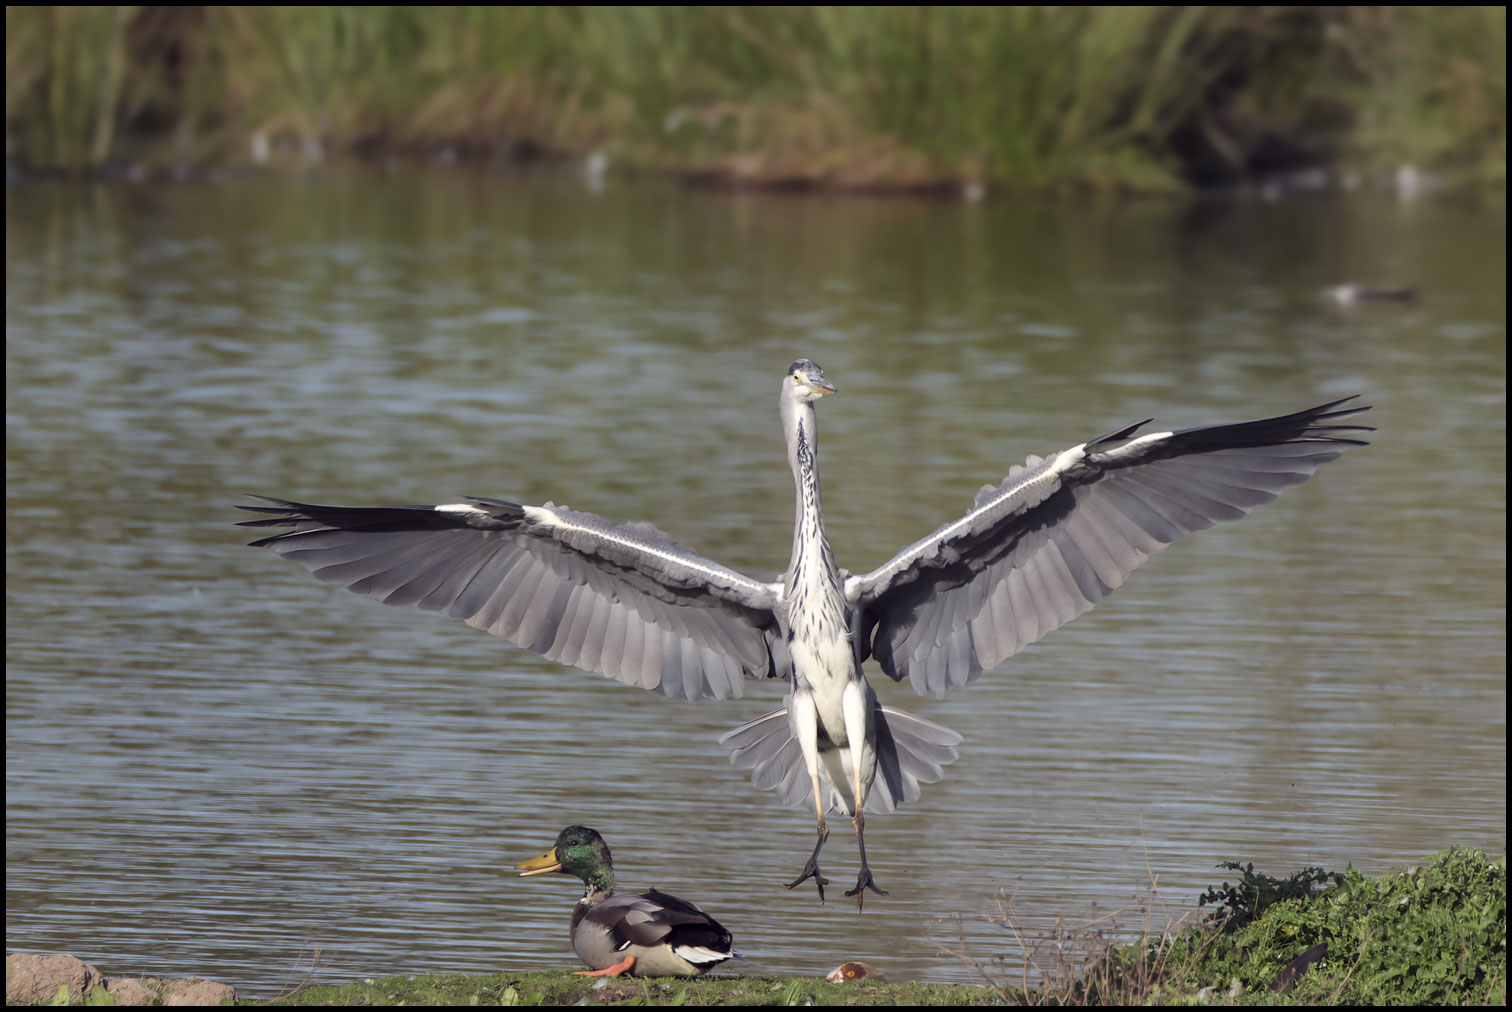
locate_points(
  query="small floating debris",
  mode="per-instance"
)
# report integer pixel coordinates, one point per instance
(854, 970)
(1349, 294)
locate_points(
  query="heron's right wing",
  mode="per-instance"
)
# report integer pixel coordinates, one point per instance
(1061, 533)
(623, 600)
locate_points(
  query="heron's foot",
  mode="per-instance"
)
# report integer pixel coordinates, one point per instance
(864, 882)
(623, 966)
(811, 871)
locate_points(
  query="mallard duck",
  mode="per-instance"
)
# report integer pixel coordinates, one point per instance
(646, 935)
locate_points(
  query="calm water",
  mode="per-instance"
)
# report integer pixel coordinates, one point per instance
(215, 764)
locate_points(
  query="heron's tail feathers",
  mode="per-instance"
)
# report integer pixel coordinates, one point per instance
(917, 754)
(910, 751)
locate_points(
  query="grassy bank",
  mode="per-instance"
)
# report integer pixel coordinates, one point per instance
(1433, 935)
(549, 987)
(1026, 97)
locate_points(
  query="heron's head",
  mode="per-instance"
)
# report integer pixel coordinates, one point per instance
(579, 851)
(805, 382)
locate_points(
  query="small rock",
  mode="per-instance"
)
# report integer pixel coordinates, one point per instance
(132, 991)
(32, 977)
(197, 991)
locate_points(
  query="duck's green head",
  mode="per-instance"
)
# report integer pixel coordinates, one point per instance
(580, 852)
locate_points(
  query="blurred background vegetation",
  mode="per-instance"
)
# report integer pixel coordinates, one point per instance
(890, 97)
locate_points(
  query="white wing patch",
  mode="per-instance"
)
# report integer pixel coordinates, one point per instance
(700, 954)
(548, 518)
(1064, 460)
(1134, 446)
(540, 515)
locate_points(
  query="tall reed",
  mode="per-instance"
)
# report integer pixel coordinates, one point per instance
(1030, 96)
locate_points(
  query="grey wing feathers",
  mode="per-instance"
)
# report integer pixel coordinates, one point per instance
(768, 747)
(622, 600)
(910, 751)
(656, 917)
(1059, 535)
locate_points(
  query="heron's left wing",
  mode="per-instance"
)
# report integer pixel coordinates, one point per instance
(1061, 533)
(624, 600)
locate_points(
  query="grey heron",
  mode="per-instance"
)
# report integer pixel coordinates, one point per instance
(1049, 542)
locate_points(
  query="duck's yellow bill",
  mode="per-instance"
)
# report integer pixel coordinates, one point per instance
(542, 865)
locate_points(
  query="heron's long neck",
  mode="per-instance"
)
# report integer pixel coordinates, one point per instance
(813, 569)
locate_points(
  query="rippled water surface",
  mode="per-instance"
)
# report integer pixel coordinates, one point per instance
(216, 764)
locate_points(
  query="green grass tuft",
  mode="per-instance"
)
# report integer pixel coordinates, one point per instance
(1433, 935)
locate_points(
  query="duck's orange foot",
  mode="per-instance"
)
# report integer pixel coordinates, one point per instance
(623, 966)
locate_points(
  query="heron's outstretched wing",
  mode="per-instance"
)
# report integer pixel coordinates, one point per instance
(1061, 533)
(623, 600)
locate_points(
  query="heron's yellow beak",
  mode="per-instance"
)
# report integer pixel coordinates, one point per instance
(543, 865)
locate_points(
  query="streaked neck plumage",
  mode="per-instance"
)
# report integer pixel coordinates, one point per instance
(812, 590)
(597, 887)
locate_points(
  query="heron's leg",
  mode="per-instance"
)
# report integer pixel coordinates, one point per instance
(807, 724)
(864, 877)
(811, 869)
(857, 708)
